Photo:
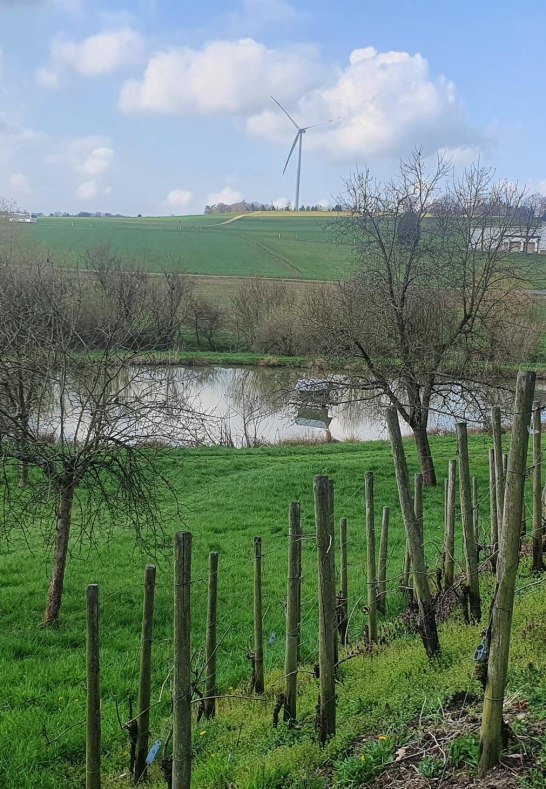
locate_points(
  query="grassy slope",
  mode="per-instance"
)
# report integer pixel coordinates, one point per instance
(228, 496)
(286, 246)
(275, 244)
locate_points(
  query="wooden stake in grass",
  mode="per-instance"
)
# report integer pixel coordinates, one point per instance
(383, 551)
(445, 504)
(326, 590)
(407, 580)
(449, 544)
(92, 745)
(145, 682)
(258, 619)
(370, 553)
(491, 736)
(209, 701)
(476, 513)
(538, 564)
(499, 465)
(427, 616)
(182, 691)
(471, 555)
(493, 509)
(292, 616)
(344, 592)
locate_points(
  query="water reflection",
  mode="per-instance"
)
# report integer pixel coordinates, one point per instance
(251, 406)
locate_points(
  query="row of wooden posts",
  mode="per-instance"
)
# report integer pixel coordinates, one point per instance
(333, 610)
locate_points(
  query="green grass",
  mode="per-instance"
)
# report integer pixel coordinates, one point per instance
(283, 245)
(227, 496)
(200, 358)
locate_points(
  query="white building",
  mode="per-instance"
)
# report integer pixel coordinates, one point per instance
(25, 217)
(516, 241)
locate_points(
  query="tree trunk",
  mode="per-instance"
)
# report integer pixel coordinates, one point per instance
(500, 627)
(424, 453)
(427, 614)
(55, 591)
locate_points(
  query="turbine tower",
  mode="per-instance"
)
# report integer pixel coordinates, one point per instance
(297, 141)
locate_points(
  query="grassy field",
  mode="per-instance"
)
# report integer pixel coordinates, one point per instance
(226, 497)
(299, 246)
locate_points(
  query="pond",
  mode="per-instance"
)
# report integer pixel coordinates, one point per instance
(247, 406)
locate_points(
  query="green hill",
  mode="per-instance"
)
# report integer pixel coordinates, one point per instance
(275, 244)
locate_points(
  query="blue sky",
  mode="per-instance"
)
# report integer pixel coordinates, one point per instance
(158, 107)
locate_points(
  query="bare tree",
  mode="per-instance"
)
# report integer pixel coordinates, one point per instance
(206, 320)
(150, 307)
(256, 303)
(435, 297)
(531, 213)
(83, 424)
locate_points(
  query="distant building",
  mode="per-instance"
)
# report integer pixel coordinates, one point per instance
(25, 217)
(516, 241)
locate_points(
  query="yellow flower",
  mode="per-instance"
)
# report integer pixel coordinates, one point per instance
(381, 738)
(362, 758)
(202, 733)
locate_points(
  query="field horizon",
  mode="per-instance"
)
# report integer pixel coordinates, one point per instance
(278, 245)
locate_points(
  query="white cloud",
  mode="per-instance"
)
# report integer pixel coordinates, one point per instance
(96, 162)
(87, 190)
(281, 202)
(12, 132)
(224, 77)
(93, 56)
(89, 156)
(536, 185)
(227, 195)
(19, 183)
(179, 199)
(383, 104)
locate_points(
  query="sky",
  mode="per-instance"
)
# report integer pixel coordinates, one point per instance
(160, 107)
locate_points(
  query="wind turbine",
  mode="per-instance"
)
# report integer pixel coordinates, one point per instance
(297, 141)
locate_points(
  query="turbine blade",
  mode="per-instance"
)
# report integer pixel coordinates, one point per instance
(324, 123)
(296, 138)
(285, 112)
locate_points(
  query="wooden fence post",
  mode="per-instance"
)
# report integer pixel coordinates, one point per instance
(503, 601)
(493, 509)
(326, 589)
(449, 545)
(209, 701)
(445, 503)
(418, 505)
(258, 619)
(427, 615)
(370, 553)
(333, 550)
(182, 691)
(499, 465)
(383, 552)
(92, 745)
(538, 564)
(471, 554)
(292, 616)
(145, 682)
(406, 573)
(344, 592)
(476, 513)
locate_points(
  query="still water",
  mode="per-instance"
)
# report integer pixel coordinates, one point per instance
(245, 406)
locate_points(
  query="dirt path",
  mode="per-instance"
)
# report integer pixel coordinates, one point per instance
(235, 218)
